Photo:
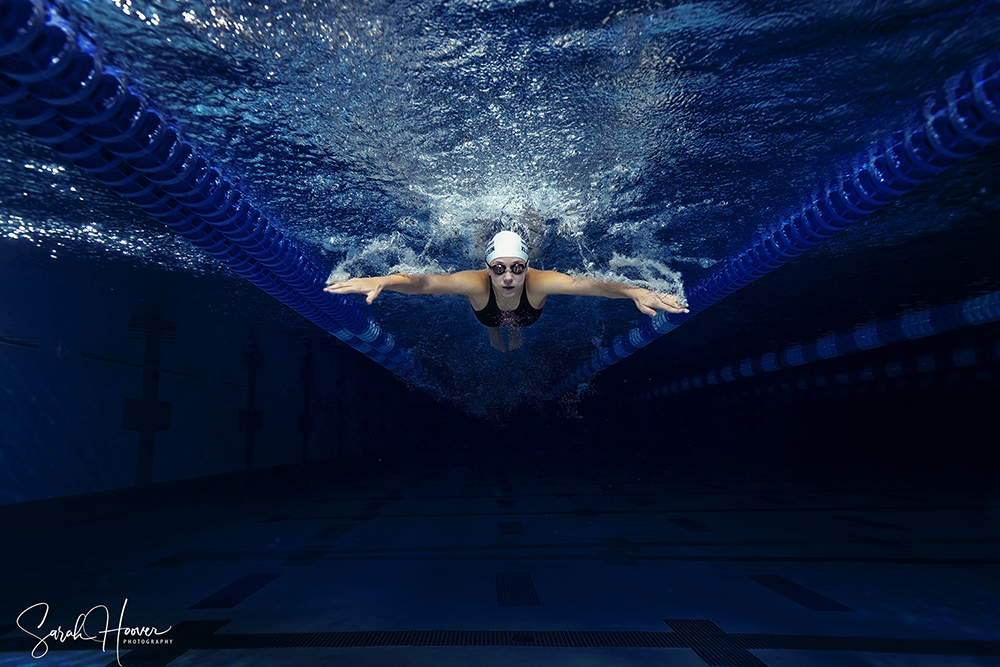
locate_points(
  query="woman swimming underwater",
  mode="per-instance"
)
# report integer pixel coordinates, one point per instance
(507, 293)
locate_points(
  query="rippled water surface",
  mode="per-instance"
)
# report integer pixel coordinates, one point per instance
(641, 141)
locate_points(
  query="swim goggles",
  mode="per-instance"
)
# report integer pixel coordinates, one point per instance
(516, 268)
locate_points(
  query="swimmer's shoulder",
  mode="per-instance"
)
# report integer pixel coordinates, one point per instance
(475, 285)
(540, 283)
(543, 282)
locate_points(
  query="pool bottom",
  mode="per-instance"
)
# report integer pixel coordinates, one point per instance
(487, 562)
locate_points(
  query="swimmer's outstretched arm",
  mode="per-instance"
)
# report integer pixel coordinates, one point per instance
(463, 282)
(647, 301)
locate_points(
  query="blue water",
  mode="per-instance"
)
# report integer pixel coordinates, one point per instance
(639, 141)
(167, 428)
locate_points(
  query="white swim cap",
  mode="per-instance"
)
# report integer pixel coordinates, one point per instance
(506, 244)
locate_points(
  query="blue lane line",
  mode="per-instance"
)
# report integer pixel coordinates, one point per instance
(961, 118)
(971, 312)
(56, 87)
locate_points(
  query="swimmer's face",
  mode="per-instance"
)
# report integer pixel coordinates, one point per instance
(508, 282)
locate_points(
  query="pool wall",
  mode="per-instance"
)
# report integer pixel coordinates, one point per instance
(77, 400)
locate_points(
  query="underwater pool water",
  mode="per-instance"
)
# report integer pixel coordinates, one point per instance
(173, 436)
(634, 141)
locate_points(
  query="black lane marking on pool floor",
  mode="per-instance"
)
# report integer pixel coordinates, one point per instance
(516, 589)
(180, 557)
(207, 554)
(502, 552)
(714, 645)
(587, 512)
(618, 550)
(622, 544)
(881, 543)
(333, 532)
(616, 557)
(797, 593)
(773, 501)
(689, 525)
(236, 592)
(868, 523)
(23, 343)
(511, 528)
(306, 557)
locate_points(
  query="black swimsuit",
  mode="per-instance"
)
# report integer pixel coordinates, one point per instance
(524, 315)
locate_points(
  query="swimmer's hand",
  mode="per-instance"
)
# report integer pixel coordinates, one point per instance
(372, 287)
(648, 302)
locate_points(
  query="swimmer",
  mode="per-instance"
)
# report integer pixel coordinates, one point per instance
(507, 293)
